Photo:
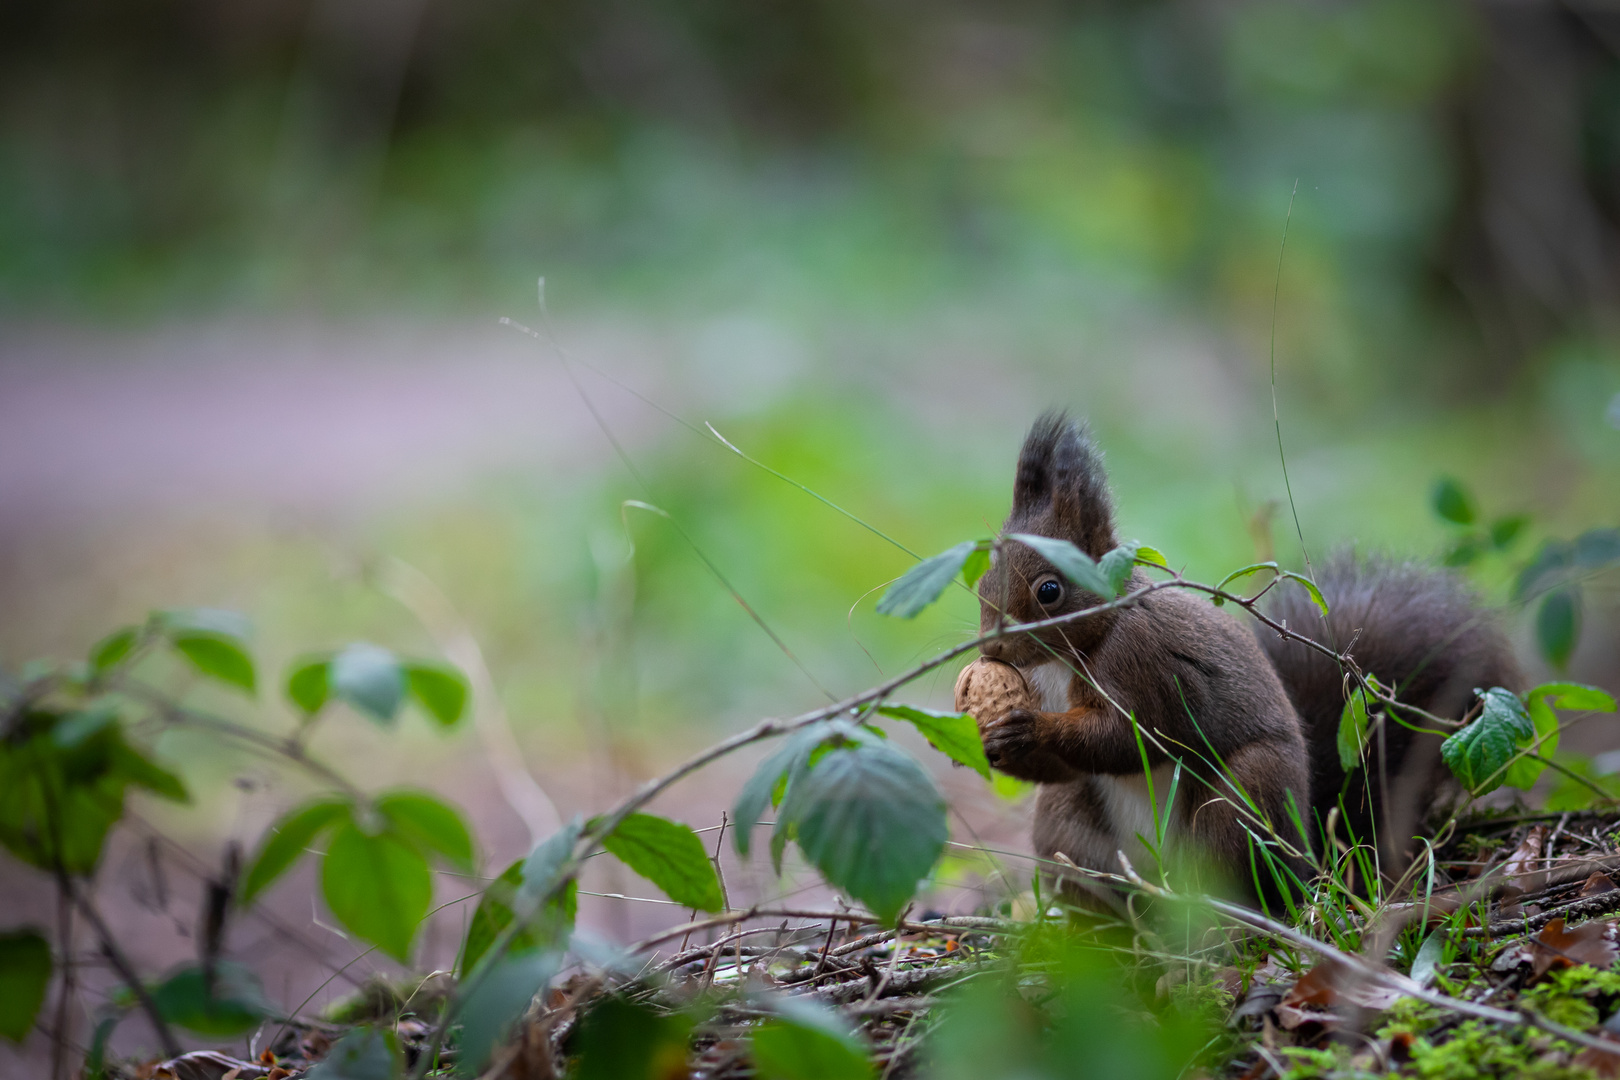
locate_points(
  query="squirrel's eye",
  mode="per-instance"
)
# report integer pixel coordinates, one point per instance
(1048, 592)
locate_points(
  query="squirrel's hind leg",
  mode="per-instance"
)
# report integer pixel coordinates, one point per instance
(1229, 830)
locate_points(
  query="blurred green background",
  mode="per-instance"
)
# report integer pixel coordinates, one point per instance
(252, 257)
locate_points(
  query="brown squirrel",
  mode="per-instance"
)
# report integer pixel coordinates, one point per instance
(1234, 707)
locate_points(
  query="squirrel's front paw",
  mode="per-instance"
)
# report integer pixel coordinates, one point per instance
(1015, 745)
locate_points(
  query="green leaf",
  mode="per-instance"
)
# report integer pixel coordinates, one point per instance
(370, 678)
(1116, 566)
(1464, 552)
(1550, 566)
(1540, 703)
(619, 1040)
(236, 1005)
(1558, 626)
(1597, 548)
(808, 1043)
(669, 855)
(287, 840)
(127, 763)
(1069, 561)
(548, 930)
(1504, 531)
(430, 824)
(1429, 956)
(309, 684)
(379, 887)
(977, 563)
(544, 866)
(1353, 729)
(1452, 502)
(217, 621)
(1476, 754)
(440, 689)
(1309, 586)
(1569, 794)
(366, 1053)
(1572, 697)
(922, 584)
(870, 819)
(1152, 557)
(499, 997)
(766, 786)
(25, 972)
(111, 650)
(218, 657)
(1247, 571)
(956, 735)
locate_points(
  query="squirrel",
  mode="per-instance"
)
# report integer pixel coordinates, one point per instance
(1235, 707)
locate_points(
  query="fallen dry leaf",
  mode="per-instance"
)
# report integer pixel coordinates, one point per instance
(1523, 866)
(1327, 986)
(1604, 1064)
(1556, 947)
(1599, 882)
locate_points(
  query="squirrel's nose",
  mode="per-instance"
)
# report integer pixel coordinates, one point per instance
(994, 648)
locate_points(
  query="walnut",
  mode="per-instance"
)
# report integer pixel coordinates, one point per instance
(989, 689)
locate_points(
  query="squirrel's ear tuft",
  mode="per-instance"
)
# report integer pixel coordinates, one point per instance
(1060, 469)
(1032, 486)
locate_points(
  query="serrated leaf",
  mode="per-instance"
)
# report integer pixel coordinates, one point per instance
(370, 678)
(430, 824)
(1476, 754)
(309, 684)
(769, 782)
(956, 735)
(218, 657)
(923, 583)
(1558, 625)
(25, 972)
(808, 1043)
(871, 820)
(1069, 561)
(365, 1053)
(440, 689)
(498, 998)
(379, 887)
(111, 650)
(236, 1005)
(1452, 502)
(977, 563)
(287, 840)
(669, 855)
(1353, 729)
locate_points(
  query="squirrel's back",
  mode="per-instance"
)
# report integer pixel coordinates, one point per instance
(1421, 632)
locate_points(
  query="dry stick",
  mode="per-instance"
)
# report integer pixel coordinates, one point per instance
(64, 931)
(126, 971)
(1372, 972)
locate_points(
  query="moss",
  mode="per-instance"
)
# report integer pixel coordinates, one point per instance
(1409, 1016)
(1477, 1050)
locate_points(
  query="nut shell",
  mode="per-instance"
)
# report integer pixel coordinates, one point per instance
(989, 689)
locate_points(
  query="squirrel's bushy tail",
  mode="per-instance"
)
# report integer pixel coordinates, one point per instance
(1421, 631)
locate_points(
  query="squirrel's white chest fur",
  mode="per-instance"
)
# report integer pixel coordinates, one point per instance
(1126, 798)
